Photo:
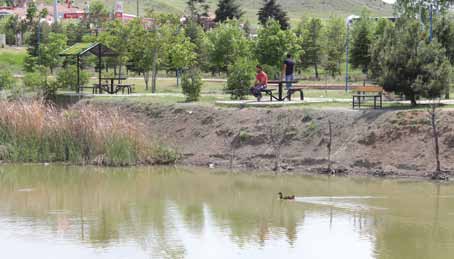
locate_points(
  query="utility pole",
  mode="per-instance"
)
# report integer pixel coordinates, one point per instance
(56, 11)
(347, 43)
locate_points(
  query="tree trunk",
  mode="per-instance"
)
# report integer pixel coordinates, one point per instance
(155, 70)
(146, 77)
(316, 71)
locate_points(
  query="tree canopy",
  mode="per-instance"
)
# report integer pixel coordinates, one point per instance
(273, 10)
(228, 10)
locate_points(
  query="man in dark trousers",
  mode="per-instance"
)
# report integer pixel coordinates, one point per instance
(288, 69)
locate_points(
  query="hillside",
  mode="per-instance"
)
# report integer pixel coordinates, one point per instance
(295, 8)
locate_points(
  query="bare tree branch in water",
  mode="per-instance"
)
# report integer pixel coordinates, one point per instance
(329, 145)
(433, 111)
(279, 132)
(232, 142)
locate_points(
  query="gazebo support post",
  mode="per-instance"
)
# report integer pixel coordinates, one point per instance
(99, 65)
(78, 74)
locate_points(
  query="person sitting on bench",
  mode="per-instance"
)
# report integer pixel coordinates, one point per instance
(261, 81)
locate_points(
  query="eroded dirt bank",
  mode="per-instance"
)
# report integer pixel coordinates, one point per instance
(382, 143)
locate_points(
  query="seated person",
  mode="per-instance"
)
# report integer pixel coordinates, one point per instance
(261, 81)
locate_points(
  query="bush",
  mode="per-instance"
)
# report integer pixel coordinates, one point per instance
(191, 83)
(34, 81)
(6, 80)
(240, 78)
(67, 78)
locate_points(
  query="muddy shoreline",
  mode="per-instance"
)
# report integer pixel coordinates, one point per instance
(380, 143)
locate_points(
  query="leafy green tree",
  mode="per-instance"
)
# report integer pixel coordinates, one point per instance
(227, 43)
(98, 14)
(191, 84)
(141, 49)
(241, 75)
(197, 9)
(7, 80)
(74, 32)
(115, 35)
(412, 66)
(411, 8)
(273, 43)
(228, 10)
(67, 78)
(361, 43)
(312, 44)
(273, 11)
(444, 33)
(198, 37)
(377, 51)
(334, 45)
(50, 50)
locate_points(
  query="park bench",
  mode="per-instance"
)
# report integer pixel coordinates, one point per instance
(295, 89)
(268, 91)
(94, 88)
(122, 87)
(362, 93)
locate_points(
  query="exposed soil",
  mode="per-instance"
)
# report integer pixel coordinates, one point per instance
(380, 143)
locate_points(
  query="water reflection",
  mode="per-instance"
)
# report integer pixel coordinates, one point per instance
(72, 212)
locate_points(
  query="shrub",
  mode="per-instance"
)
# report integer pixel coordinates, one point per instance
(67, 78)
(240, 78)
(191, 83)
(6, 80)
(34, 81)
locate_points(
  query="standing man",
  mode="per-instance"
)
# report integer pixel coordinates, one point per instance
(288, 69)
(261, 81)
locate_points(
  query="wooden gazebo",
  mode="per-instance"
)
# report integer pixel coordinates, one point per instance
(80, 49)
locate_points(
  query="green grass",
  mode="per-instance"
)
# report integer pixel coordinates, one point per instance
(12, 59)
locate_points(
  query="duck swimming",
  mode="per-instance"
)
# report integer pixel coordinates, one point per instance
(282, 197)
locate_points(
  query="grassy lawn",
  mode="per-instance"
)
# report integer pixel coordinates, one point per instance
(12, 59)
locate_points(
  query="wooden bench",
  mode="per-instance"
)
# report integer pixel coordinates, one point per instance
(295, 89)
(361, 93)
(269, 92)
(122, 87)
(94, 88)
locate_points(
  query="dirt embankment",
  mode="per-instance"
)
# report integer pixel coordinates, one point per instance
(382, 143)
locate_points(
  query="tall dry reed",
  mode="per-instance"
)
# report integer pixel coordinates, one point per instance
(35, 132)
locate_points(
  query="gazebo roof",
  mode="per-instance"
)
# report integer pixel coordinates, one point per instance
(97, 49)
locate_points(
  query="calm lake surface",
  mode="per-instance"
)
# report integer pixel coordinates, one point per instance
(75, 212)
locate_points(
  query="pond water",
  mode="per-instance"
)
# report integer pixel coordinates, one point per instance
(84, 212)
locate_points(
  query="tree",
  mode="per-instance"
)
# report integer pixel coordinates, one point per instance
(433, 118)
(380, 37)
(312, 44)
(361, 43)
(198, 37)
(197, 9)
(410, 65)
(411, 8)
(227, 43)
(273, 11)
(141, 46)
(191, 84)
(273, 44)
(114, 36)
(334, 45)
(228, 10)
(50, 50)
(241, 75)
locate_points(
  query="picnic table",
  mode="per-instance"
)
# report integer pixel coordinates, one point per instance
(280, 84)
(112, 89)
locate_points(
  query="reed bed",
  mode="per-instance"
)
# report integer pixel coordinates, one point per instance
(31, 131)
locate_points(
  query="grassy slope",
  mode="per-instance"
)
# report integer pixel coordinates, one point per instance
(296, 8)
